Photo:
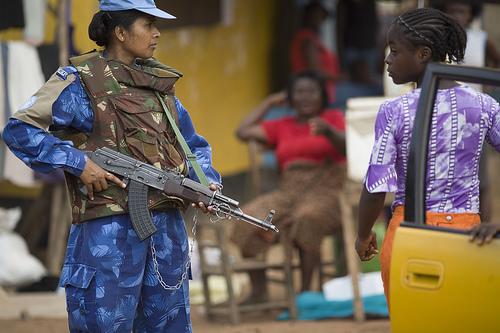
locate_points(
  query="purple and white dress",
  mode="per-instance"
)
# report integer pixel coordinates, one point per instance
(463, 118)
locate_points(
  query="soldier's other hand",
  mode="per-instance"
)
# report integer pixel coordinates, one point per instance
(201, 205)
(96, 179)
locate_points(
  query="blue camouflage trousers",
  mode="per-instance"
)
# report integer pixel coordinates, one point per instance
(110, 278)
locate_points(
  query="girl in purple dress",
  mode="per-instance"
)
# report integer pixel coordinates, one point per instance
(463, 119)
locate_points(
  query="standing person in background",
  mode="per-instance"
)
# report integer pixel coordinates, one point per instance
(463, 119)
(114, 281)
(480, 52)
(358, 36)
(310, 148)
(308, 52)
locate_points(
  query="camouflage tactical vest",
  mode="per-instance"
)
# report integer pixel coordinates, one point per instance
(128, 118)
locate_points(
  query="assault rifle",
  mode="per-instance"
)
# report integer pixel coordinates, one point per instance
(140, 176)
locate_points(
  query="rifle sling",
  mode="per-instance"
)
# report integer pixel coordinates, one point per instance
(189, 155)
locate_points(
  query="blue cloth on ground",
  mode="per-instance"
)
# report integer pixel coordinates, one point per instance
(313, 306)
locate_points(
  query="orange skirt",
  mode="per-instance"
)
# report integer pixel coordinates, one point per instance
(449, 220)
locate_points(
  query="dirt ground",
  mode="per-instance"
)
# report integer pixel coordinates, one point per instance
(251, 324)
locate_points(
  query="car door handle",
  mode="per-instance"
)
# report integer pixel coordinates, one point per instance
(423, 274)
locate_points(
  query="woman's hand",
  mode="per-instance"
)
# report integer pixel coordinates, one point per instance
(276, 99)
(367, 248)
(96, 179)
(250, 128)
(483, 233)
(202, 206)
(319, 127)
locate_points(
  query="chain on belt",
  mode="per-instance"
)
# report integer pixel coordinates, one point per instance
(186, 266)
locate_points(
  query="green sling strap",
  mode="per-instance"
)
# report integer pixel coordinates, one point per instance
(189, 155)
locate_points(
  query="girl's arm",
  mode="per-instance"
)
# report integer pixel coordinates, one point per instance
(370, 207)
(250, 128)
(380, 178)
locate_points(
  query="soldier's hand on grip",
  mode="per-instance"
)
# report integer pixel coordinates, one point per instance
(96, 179)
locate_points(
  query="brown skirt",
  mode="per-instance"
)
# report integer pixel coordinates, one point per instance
(306, 205)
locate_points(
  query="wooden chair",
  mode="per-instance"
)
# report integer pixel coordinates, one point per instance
(345, 260)
(228, 266)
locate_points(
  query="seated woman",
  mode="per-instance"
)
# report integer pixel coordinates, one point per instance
(310, 149)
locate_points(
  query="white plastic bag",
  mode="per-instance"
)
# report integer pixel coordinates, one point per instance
(340, 289)
(17, 266)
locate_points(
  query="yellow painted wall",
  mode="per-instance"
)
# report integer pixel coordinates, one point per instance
(226, 71)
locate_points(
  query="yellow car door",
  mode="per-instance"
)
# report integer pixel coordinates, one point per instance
(440, 282)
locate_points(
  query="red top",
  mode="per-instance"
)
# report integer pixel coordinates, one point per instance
(293, 141)
(328, 60)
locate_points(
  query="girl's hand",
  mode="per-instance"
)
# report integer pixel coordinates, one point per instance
(319, 126)
(483, 233)
(202, 206)
(96, 179)
(367, 248)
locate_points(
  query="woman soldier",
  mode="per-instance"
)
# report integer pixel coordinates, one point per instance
(111, 98)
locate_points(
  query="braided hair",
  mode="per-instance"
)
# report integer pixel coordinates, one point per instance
(438, 31)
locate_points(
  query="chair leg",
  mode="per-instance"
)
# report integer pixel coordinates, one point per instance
(234, 313)
(321, 273)
(206, 295)
(289, 281)
(352, 260)
(339, 255)
(204, 276)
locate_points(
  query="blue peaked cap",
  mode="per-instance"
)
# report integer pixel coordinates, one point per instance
(145, 6)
